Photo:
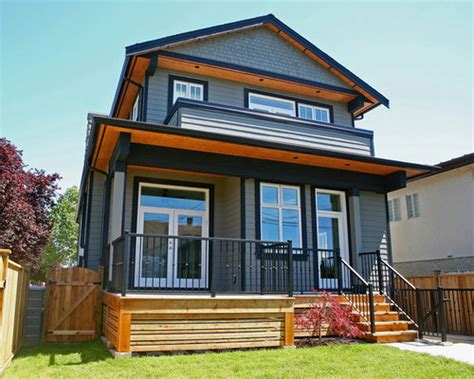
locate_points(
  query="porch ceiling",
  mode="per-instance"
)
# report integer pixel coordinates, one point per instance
(106, 130)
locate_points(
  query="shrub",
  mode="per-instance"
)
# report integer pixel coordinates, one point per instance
(328, 310)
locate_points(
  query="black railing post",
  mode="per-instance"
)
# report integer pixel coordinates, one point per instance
(371, 309)
(419, 313)
(210, 261)
(126, 262)
(290, 267)
(339, 270)
(442, 316)
(379, 272)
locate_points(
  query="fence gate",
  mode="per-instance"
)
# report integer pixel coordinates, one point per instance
(72, 303)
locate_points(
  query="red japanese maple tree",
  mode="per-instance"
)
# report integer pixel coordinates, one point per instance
(328, 310)
(26, 196)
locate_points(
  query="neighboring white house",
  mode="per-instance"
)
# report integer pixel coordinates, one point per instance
(432, 220)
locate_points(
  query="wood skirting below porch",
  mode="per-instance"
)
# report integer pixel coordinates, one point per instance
(173, 323)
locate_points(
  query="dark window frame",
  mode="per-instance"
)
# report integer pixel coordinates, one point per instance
(171, 80)
(296, 100)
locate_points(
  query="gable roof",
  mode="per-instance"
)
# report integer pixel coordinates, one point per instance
(277, 26)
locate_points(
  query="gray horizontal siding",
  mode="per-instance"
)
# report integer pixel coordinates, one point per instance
(94, 250)
(263, 49)
(374, 226)
(246, 126)
(223, 92)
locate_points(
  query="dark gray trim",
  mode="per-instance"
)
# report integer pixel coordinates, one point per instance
(172, 78)
(389, 236)
(243, 215)
(106, 219)
(121, 152)
(255, 113)
(88, 222)
(296, 100)
(273, 171)
(315, 236)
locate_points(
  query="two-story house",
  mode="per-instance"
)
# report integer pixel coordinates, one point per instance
(228, 178)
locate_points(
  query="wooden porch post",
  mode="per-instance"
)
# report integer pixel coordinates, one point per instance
(289, 329)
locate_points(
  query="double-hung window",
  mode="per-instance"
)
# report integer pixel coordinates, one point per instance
(281, 213)
(413, 205)
(313, 112)
(187, 90)
(272, 104)
(394, 209)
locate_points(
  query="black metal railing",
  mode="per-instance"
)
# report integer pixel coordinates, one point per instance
(152, 262)
(314, 269)
(446, 310)
(399, 292)
(357, 291)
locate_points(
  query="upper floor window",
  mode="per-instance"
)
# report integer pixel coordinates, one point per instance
(288, 107)
(313, 112)
(187, 90)
(394, 209)
(272, 104)
(280, 213)
(413, 205)
(134, 115)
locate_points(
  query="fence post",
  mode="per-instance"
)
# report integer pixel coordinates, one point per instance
(339, 271)
(371, 309)
(126, 263)
(290, 268)
(419, 313)
(442, 316)
(379, 271)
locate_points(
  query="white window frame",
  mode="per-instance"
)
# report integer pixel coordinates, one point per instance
(392, 210)
(293, 103)
(188, 89)
(412, 210)
(314, 107)
(340, 215)
(280, 208)
(135, 111)
(142, 209)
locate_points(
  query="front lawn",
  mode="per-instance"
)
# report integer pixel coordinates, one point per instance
(92, 360)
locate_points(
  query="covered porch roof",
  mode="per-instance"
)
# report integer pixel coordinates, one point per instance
(105, 131)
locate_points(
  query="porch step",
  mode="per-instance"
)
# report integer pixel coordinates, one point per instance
(378, 307)
(379, 316)
(384, 326)
(392, 336)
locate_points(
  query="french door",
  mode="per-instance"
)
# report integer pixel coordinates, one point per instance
(171, 262)
(332, 236)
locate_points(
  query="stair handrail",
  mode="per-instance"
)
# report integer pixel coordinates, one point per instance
(369, 294)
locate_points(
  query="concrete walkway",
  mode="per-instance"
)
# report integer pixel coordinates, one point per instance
(463, 352)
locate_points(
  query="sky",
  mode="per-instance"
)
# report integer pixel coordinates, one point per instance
(60, 60)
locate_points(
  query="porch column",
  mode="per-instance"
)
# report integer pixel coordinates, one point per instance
(118, 169)
(355, 223)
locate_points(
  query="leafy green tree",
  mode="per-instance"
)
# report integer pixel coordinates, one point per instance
(62, 248)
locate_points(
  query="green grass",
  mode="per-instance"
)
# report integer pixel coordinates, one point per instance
(92, 360)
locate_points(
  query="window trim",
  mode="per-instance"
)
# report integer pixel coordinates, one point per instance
(391, 212)
(412, 211)
(297, 101)
(314, 107)
(341, 215)
(173, 78)
(293, 103)
(280, 207)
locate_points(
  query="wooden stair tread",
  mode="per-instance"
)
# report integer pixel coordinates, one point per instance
(398, 322)
(393, 333)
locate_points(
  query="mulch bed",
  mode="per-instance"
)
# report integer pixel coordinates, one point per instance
(327, 341)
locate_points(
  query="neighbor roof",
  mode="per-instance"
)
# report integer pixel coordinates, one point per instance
(458, 162)
(278, 26)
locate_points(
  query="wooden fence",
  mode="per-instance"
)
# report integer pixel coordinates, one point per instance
(14, 282)
(461, 280)
(73, 298)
